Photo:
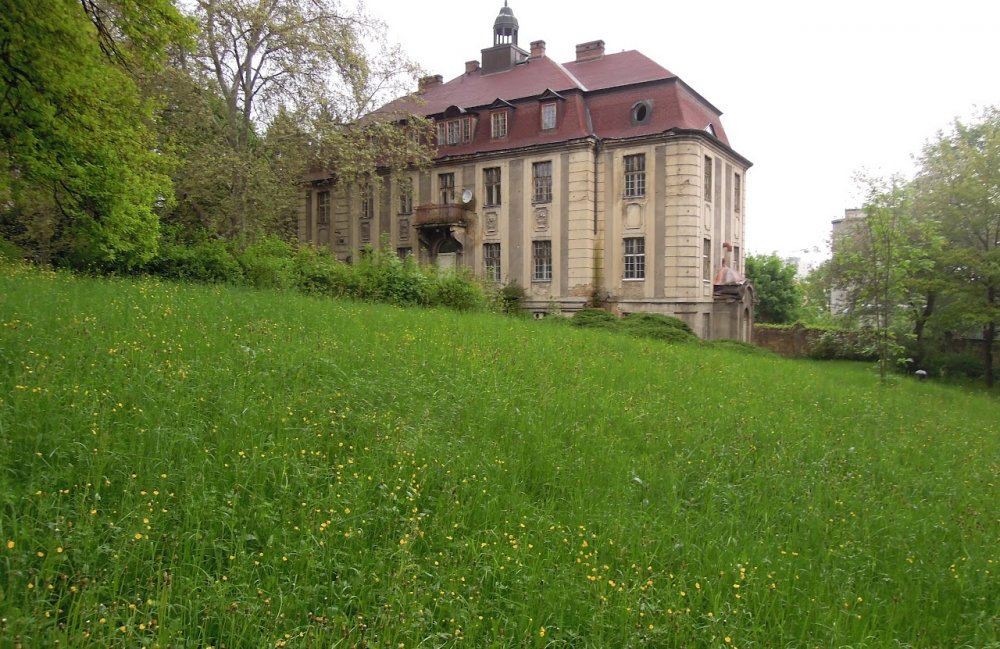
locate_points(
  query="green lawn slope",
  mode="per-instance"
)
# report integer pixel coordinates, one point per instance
(192, 466)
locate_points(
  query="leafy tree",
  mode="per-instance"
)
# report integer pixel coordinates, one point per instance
(958, 187)
(871, 261)
(80, 174)
(777, 294)
(816, 288)
(288, 83)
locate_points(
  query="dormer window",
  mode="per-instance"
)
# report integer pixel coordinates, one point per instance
(548, 116)
(498, 124)
(454, 131)
(641, 112)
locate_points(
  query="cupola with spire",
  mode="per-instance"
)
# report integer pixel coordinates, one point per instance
(505, 27)
(505, 53)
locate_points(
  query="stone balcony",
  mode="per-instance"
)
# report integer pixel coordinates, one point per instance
(440, 215)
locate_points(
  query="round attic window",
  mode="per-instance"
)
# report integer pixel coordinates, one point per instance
(640, 112)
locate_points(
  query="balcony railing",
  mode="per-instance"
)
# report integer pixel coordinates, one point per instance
(440, 215)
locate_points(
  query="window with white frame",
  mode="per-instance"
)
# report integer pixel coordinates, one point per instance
(635, 175)
(635, 258)
(454, 131)
(406, 196)
(498, 124)
(446, 188)
(548, 116)
(541, 255)
(323, 208)
(541, 174)
(491, 262)
(491, 182)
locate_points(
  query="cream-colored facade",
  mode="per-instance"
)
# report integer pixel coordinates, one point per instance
(634, 223)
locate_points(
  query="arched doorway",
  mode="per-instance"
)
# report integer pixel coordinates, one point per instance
(448, 255)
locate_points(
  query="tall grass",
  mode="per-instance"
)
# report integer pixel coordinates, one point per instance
(201, 466)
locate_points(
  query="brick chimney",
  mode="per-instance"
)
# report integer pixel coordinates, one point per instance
(537, 49)
(429, 82)
(589, 51)
(471, 66)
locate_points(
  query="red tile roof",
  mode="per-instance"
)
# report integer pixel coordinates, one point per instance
(599, 97)
(614, 70)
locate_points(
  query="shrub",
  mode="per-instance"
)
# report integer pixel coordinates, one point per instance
(457, 290)
(595, 318)
(205, 261)
(509, 299)
(835, 344)
(268, 263)
(660, 327)
(964, 364)
(10, 251)
(318, 272)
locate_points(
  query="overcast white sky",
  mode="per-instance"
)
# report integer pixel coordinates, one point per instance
(810, 92)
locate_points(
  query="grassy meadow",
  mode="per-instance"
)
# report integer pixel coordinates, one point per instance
(201, 466)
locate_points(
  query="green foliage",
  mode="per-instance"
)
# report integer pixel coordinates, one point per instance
(209, 260)
(595, 318)
(658, 326)
(637, 325)
(777, 295)
(80, 174)
(845, 345)
(958, 189)
(258, 468)
(510, 298)
(268, 263)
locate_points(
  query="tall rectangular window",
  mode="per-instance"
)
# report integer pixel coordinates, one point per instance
(541, 174)
(323, 208)
(367, 201)
(706, 260)
(404, 252)
(446, 188)
(635, 258)
(498, 124)
(406, 196)
(541, 255)
(635, 175)
(491, 262)
(736, 258)
(737, 192)
(466, 129)
(454, 132)
(708, 179)
(548, 116)
(491, 180)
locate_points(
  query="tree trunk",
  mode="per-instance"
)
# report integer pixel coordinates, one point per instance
(989, 335)
(918, 328)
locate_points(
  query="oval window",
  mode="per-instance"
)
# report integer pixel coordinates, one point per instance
(640, 112)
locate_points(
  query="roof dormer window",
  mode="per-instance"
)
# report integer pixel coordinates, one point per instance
(498, 124)
(548, 116)
(641, 111)
(451, 132)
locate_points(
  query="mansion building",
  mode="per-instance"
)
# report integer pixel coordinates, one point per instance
(603, 181)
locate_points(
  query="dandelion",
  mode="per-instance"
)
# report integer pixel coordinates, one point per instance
(10, 545)
(541, 632)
